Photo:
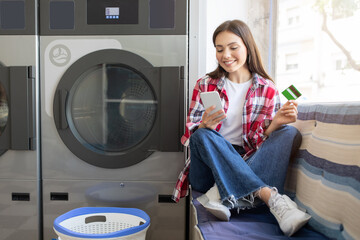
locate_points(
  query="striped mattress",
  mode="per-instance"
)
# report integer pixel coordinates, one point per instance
(324, 177)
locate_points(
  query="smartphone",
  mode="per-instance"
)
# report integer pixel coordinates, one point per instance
(211, 98)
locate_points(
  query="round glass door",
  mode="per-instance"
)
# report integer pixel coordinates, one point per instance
(4, 109)
(111, 108)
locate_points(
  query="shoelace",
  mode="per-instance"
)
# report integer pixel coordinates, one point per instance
(232, 201)
(250, 198)
(279, 205)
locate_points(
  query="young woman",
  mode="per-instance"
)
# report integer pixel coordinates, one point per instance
(244, 152)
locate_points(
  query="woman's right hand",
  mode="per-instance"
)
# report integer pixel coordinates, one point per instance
(212, 120)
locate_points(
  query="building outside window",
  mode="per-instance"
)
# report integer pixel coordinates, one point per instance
(293, 16)
(291, 61)
(323, 63)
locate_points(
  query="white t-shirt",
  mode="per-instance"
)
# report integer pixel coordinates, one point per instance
(231, 128)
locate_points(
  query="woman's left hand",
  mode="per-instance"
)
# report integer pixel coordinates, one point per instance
(287, 113)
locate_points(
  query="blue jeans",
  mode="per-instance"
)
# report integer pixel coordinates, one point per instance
(214, 160)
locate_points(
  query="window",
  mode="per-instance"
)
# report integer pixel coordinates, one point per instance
(323, 63)
(338, 64)
(293, 16)
(291, 61)
(342, 64)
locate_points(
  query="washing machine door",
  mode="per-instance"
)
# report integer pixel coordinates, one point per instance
(4, 113)
(17, 108)
(107, 108)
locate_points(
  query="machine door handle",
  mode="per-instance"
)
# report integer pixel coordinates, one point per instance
(172, 108)
(60, 109)
(32, 107)
(22, 107)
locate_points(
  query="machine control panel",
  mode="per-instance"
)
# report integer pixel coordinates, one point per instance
(113, 12)
(18, 17)
(113, 17)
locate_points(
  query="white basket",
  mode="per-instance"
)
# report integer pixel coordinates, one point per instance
(102, 223)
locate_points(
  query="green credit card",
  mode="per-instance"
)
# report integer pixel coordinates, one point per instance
(291, 93)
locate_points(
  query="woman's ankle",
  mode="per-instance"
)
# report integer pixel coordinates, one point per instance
(264, 194)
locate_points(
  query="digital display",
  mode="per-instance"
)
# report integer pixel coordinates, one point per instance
(112, 12)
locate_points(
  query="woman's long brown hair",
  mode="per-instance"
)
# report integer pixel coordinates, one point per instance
(253, 60)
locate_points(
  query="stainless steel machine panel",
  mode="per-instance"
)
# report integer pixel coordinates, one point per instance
(109, 67)
(19, 122)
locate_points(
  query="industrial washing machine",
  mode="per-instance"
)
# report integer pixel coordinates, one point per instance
(113, 80)
(19, 144)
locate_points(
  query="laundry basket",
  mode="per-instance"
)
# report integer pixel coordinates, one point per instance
(102, 223)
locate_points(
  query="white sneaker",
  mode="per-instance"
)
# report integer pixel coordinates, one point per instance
(286, 212)
(218, 210)
(212, 203)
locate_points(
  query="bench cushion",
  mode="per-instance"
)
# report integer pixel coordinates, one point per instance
(324, 177)
(256, 223)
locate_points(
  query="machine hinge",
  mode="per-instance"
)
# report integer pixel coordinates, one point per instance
(31, 72)
(32, 143)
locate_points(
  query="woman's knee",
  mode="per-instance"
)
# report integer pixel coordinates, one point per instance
(290, 131)
(293, 133)
(287, 134)
(201, 134)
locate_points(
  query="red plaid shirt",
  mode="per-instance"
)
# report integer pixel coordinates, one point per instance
(261, 104)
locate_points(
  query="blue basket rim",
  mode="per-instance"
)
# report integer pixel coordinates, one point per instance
(90, 210)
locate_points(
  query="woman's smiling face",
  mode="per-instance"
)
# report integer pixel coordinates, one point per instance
(231, 52)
